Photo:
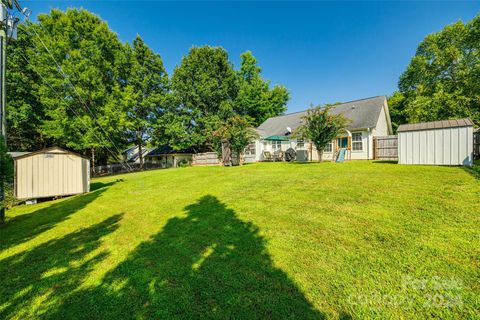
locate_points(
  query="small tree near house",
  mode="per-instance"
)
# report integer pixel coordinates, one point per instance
(234, 135)
(321, 127)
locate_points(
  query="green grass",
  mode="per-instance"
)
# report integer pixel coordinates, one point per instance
(271, 240)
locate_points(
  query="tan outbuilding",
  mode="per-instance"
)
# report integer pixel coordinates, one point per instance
(441, 143)
(51, 172)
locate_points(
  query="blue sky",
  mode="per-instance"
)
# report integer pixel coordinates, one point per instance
(322, 52)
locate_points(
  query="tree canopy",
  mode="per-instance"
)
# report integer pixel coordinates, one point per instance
(73, 83)
(204, 86)
(234, 134)
(255, 98)
(146, 88)
(321, 127)
(442, 80)
(71, 60)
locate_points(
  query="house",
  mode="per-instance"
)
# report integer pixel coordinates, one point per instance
(163, 156)
(51, 172)
(167, 157)
(131, 155)
(368, 118)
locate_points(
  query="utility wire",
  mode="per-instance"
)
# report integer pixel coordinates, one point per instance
(73, 110)
(68, 106)
(60, 70)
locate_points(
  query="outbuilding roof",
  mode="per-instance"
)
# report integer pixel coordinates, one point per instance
(362, 113)
(467, 122)
(51, 150)
(16, 154)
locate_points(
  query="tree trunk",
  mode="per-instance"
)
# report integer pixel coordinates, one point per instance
(140, 149)
(140, 155)
(320, 155)
(226, 153)
(93, 161)
(240, 157)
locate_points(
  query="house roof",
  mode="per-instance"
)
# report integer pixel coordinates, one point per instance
(51, 150)
(362, 113)
(435, 125)
(166, 149)
(135, 154)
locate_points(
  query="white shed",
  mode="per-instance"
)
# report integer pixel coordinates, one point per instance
(51, 172)
(447, 142)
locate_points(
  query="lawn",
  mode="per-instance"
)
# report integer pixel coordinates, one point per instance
(271, 240)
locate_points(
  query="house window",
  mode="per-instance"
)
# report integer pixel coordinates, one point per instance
(276, 145)
(300, 143)
(328, 147)
(250, 149)
(357, 143)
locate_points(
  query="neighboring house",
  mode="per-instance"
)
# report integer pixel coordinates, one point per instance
(168, 157)
(368, 118)
(132, 155)
(164, 155)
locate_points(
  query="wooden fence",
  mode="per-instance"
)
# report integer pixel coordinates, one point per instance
(210, 159)
(205, 159)
(385, 148)
(476, 144)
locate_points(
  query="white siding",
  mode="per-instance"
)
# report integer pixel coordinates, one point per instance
(382, 128)
(51, 174)
(448, 146)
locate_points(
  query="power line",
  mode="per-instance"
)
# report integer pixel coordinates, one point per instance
(60, 70)
(68, 106)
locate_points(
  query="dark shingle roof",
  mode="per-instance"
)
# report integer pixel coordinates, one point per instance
(435, 125)
(363, 114)
(166, 149)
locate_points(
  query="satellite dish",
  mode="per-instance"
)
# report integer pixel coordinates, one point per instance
(289, 130)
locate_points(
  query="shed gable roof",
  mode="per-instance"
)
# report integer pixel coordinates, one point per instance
(362, 113)
(50, 150)
(442, 124)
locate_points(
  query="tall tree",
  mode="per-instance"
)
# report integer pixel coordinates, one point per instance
(321, 127)
(442, 80)
(255, 98)
(24, 109)
(77, 56)
(396, 107)
(204, 88)
(145, 93)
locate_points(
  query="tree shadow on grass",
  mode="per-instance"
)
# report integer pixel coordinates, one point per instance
(306, 162)
(25, 227)
(100, 185)
(209, 264)
(52, 270)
